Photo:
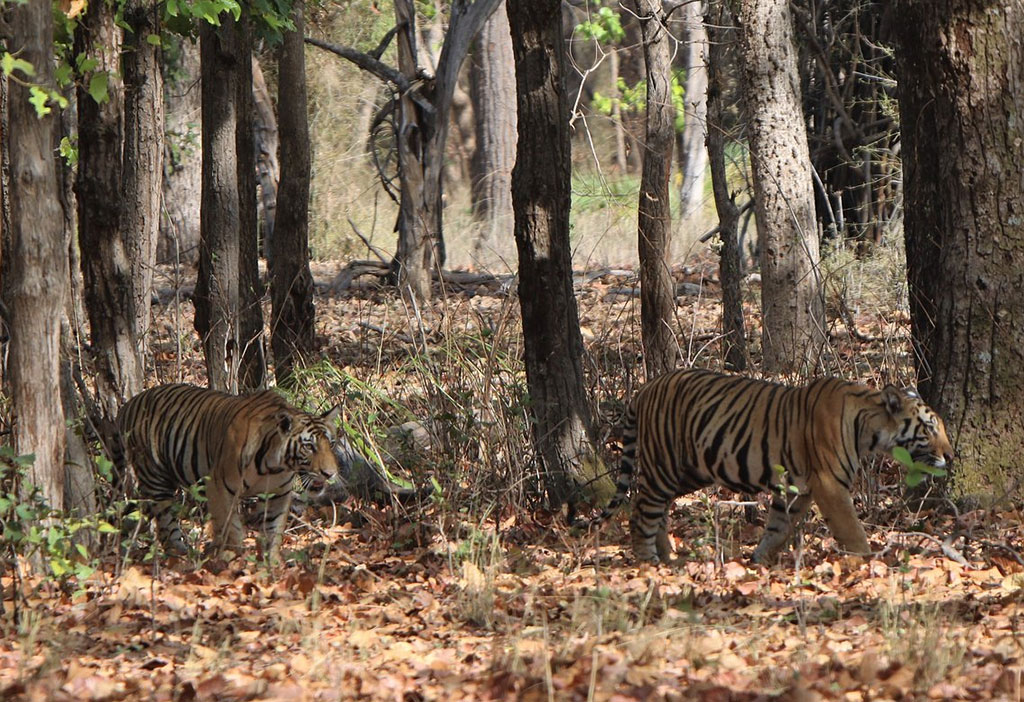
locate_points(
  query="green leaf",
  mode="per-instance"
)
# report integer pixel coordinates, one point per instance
(98, 87)
(903, 456)
(63, 74)
(25, 513)
(914, 479)
(85, 63)
(153, 39)
(106, 528)
(10, 63)
(57, 566)
(931, 470)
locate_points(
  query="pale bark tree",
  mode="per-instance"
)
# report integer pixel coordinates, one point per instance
(106, 270)
(791, 290)
(493, 92)
(961, 95)
(291, 283)
(266, 141)
(654, 221)
(692, 154)
(35, 260)
(720, 33)
(541, 198)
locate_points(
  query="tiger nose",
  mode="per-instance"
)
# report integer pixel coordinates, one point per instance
(948, 457)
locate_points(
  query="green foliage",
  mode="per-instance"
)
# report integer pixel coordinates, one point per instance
(783, 485)
(69, 151)
(916, 471)
(603, 27)
(30, 529)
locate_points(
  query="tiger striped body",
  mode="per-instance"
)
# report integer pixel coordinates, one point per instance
(247, 445)
(689, 429)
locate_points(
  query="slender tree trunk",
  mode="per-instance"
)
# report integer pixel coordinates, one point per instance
(142, 175)
(657, 292)
(693, 157)
(252, 371)
(541, 198)
(35, 279)
(266, 143)
(216, 296)
(493, 91)
(960, 66)
(291, 284)
(791, 290)
(734, 342)
(110, 296)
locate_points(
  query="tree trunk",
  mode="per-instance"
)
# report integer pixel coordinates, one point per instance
(182, 181)
(224, 58)
(291, 284)
(541, 198)
(266, 143)
(693, 157)
(252, 371)
(107, 273)
(961, 96)
(654, 224)
(142, 175)
(493, 91)
(734, 341)
(419, 211)
(791, 290)
(35, 279)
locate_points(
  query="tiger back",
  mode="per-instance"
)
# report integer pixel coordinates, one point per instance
(690, 429)
(246, 445)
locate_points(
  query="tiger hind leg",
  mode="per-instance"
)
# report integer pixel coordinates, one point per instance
(648, 529)
(168, 530)
(784, 513)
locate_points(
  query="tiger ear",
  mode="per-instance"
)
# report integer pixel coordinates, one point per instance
(284, 422)
(332, 414)
(892, 399)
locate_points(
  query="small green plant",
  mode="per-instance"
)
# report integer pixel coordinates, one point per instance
(31, 530)
(916, 471)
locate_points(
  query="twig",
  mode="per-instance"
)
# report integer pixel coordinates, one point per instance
(373, 249)
(946, 545)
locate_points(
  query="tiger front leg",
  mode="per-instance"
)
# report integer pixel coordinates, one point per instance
(273, 513)
(784, 514)
(225, 515)
(836, 506)
(168, 529)
(648, 529)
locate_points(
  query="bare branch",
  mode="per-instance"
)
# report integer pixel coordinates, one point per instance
(364, 61)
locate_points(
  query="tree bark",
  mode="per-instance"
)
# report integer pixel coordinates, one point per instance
(734, 341)
(654, 222)
(961, 95)
(693, 157)
(266, 141)
(493, 92)
(216, 296)
(791, 290)
(182, 182)
(252, 370)
(291, 284)
(142, 173)
(110, 297)
(36, 274)
(541, 198)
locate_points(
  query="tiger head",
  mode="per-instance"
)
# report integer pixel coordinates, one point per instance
(308, 445)
(915, 426)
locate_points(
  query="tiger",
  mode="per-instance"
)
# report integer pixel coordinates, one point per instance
(244, 445)
(694, 428)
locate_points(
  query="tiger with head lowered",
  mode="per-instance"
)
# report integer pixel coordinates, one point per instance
(695, 428)
(246, 445)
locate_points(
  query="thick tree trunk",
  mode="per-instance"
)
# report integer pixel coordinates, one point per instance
(110, 296)
(654, 224)
(291, 284)
(693, 157)
(224, 58)
(541, 198)
(36, 274)
(493, 91)
(791, 290)
(252, 370)
(960, 66)
(142, 175)
(734, 341)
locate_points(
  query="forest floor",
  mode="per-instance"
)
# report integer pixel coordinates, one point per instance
(481, 594)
